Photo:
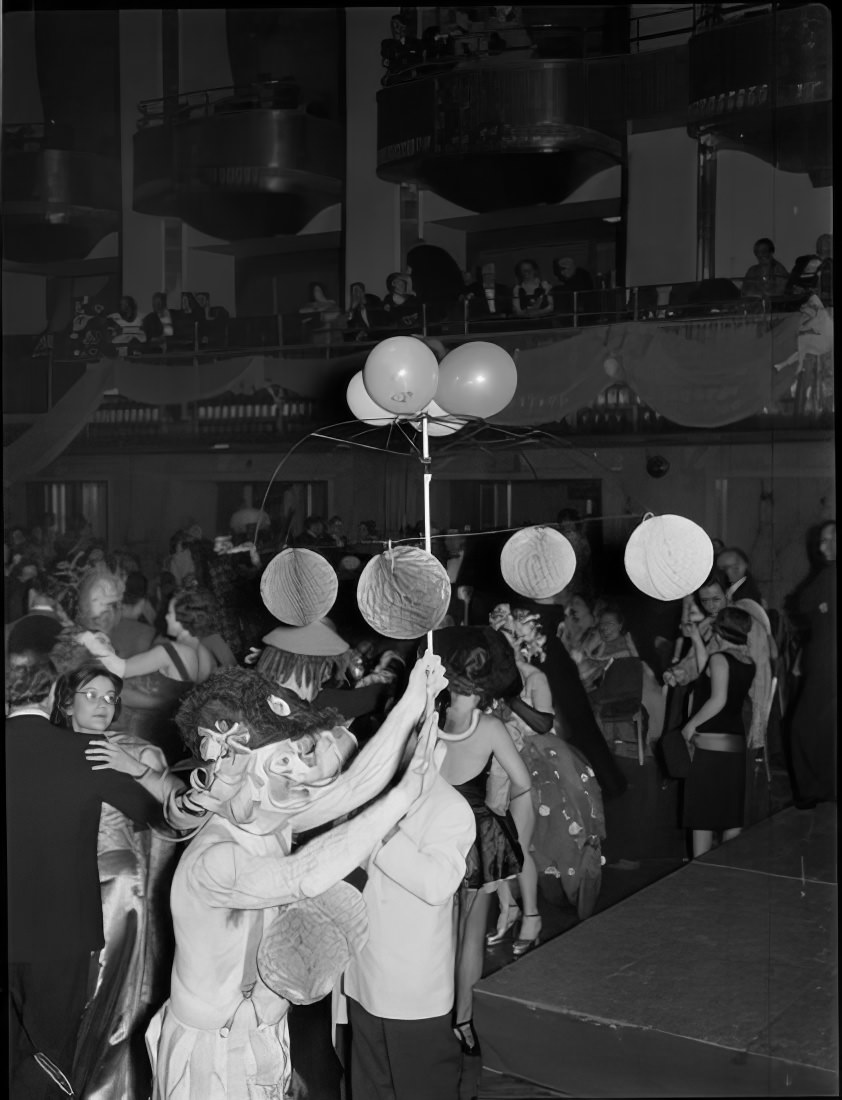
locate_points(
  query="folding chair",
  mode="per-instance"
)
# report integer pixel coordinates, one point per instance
(618, 708)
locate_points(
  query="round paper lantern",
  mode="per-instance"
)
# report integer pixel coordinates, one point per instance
(668, 557)
(401, 374)
(439, 422)
(299, 586)
(363, 407)
(403, 592)
(477, 379)
(538, 562)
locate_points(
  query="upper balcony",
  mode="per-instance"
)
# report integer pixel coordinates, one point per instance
(635, 363)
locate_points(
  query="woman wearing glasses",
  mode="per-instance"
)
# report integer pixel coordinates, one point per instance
(135, 868)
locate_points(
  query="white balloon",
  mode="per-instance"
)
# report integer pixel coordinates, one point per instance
(440, 422)
(364, 407)
(668, 557)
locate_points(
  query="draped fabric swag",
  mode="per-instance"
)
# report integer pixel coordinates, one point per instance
(701, 374)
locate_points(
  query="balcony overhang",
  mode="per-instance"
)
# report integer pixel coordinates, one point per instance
(550, 214)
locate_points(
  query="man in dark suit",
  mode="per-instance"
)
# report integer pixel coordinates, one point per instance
(53, 802)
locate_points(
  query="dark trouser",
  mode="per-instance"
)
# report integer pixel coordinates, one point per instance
(402, 1059)
(47, 998)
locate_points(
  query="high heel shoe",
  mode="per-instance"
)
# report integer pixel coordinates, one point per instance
(521, 946)
(467, 1037)
(504, 932)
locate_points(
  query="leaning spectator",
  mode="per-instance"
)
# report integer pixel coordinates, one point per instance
(531, 295)
(361, 316)
(767, 278)
(735, 565)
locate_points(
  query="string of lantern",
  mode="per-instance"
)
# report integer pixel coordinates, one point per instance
(404, 592)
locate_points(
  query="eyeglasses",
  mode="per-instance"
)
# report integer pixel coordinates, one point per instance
(110, 697)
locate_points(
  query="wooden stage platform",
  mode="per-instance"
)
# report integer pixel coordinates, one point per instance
(719, 980)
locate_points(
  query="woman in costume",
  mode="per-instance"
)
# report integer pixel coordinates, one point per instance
(569, 819)
(161, 676)
(477, 672)
(714, 791)
(135, 868)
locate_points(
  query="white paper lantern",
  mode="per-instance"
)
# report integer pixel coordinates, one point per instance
(403, 592)
(299, 586)
(668, 557)
(537, 562)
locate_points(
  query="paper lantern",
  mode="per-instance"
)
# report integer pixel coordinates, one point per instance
(362, 406)
(538, 562)
(309, 943)
(440, 422)
(403, 592)
(298, 586)
(401, 375)
(476, 379)
(668, 557)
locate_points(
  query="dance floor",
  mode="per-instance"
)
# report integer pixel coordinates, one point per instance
(717, 980)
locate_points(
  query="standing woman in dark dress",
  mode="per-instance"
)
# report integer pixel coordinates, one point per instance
(814, 718)
(474, 739)
(714, 791)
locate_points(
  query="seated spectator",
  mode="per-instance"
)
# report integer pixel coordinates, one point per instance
(824, 250)
(734, 563)
(767, 278)
(437, 283)
(209, 312)
(531, 295)
(400, 307)
(126, 326)
(83, 314)
(570, 280)
(580, 638)
(614, 639)
(336, 532)
(361, 316)
(368, 538)
(314, 532)
(437, 47)
(158, 325)
(486, 297)
(402, 51)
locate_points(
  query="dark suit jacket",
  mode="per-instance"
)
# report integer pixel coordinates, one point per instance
(53, 803)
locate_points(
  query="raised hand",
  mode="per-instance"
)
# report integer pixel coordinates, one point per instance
(97, 643)
(107, 754)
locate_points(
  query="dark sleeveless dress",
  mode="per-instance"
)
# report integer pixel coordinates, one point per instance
(495, 854)
(714, 791)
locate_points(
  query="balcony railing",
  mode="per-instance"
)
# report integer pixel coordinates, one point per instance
(33, 385)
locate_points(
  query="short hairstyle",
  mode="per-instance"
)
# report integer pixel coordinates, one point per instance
(196, 610)
(716, 576)
(741, 554)
(733, 625)
(73, 681)
(770, 244)
(519, 266)
(613, 609)
(29, 678)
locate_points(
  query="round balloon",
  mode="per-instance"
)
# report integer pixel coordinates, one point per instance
(478, 379)
(668, 557)
(363, 407)
(401, 374)
(439, 422)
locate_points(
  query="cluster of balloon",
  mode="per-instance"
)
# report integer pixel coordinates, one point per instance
(668, 557)
(402, 375)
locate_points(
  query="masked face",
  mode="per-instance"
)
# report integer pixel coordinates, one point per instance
(103, 611)
(260, 790)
